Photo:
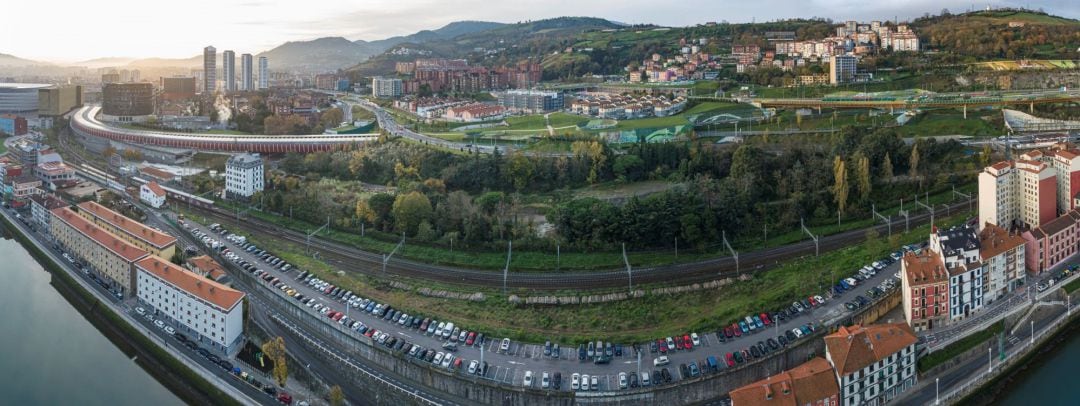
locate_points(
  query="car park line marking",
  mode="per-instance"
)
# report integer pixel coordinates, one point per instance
(515, 362)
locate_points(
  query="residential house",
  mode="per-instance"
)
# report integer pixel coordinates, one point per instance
(874, 364)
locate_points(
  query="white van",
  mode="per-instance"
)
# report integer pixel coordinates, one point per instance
(447, 330)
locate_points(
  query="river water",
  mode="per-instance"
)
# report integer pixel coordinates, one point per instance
(50, 354)
(1048, 385)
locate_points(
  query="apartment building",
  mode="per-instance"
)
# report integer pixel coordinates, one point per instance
(924, 285)
(207, 311)
(1003, 258)
(152, 194)
(1050, 244)
(243, 175)
(135, 233)
(1021, 193)
(812, 383)
(109, 257)
(842, 69)
(874, 364)
(959, 251)
(40, 207)
(386, 87)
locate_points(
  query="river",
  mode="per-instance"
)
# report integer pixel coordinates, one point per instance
(1047, 385)
(51, 355)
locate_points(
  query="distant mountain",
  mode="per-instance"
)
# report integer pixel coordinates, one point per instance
(103, 62)
(12, 60)
(521, 36)
(192, 62)
(332, 53)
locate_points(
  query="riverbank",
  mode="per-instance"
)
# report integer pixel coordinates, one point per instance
(994, 391)
(170, 372)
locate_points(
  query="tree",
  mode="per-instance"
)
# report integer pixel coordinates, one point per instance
(410, 210)
(840, 187)
(886, 167)
(520, 170)
(337, 397)
(863, 174)
(332, 118)
(914, 161)
(275, 349)
(628, 167)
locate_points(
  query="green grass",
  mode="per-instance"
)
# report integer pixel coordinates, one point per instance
(955, 349)
(3, 149)
(537, 122)
(637, 320)
(950, 122)
(1072, 286)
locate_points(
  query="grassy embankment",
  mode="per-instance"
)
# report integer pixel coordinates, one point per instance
(626, 321)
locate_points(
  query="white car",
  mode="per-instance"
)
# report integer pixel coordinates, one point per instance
(660, 361)
(473, 366)
(505, 345)
(622, 380)
(159, 324)
(545, 381)
(170, 330)
(575, 381)
(695, 339)
(595, 382)
(798, 333)
(140, 310)
(584, 381)
(527, 382)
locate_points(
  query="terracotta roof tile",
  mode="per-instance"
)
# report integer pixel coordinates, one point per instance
(924, 269)
(219, 295)
(156, 188)
(131, 227)
(805, 384)
(853, 348)
(994, 240)
(104, 238)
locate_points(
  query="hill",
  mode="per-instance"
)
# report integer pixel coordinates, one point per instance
(333, 53)
(12, 60)
(987, 35)
(531, 39)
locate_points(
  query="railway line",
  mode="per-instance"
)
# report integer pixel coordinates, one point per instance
(352, 259)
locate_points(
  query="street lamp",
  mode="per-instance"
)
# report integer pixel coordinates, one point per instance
(990, 358)
(937, 391)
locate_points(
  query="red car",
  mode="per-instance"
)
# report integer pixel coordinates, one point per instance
(687, 342)
(730, 359)
(813, 302)
(338, 316)
(738, 331)
(728, 333)
(371, 332)
(678, 343)
(663, 346)
(765, 319)
(284, 398)
(471, 338)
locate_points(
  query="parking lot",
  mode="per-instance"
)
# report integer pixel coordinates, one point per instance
(511, 366)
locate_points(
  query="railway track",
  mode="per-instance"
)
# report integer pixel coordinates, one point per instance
(352, 259)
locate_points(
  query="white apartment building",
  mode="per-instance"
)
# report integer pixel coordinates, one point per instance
(41, 205)
(206, 311)
(959, 250)
(1003, 261)
(386, 87)
(874, 364)
(152, 194)
(1017, 193)
(243, 175)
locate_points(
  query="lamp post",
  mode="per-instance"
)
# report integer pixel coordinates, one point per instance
(990, 359)
(937, 391)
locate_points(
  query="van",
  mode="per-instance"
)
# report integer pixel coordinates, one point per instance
(448, 330)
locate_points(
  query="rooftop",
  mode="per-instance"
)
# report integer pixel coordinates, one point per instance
(156, 188)
(924, 269)
(994, 240)
(207, 265)
(104, 238)
(215, 293)
(1060, 224)
(244, 160)
(23, 86)
(132, 227)
(805, 384)
(956, 240)
(854, 347)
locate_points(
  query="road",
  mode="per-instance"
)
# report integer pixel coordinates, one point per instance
(509, 367)
(351, 259)
(213, 373)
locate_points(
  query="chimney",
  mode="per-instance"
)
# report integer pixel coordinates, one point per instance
(768, 392)
(785, 387)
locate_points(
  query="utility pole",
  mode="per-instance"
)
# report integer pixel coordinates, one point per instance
(887, 220)
(817, 245)
(929, 208)
(386, 258)
(732, 250)
(317, 230)
(506, 269)
(629, 272)
(957, 193)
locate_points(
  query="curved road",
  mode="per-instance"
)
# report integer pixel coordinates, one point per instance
(351, 258)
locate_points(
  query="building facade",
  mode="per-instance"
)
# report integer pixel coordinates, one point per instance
(228, 70)
(959, 251)
(135, 233)
(209, 70)
(1023, 193)
(386, 87)
(243, 175)
(1052, 243)
(247, 82)
(20, 98)
(207, 311)
(530, 101)
(108, 257)
(127, 102)
(56, 101)
(842, 69)
(1003, 258)
(152, 194)
(11, 124)
(41, 207)
(874, 364)
(924, 284)
(178, 88)
(264, 73)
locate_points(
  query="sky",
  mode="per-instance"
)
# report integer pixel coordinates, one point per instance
(70, 30)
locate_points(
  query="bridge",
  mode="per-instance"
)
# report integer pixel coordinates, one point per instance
(84, 122)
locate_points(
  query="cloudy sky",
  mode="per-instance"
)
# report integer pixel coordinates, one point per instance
(70, 30)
